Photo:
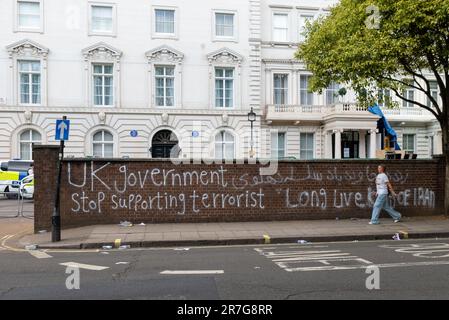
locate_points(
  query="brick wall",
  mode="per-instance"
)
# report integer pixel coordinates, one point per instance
(157, 191)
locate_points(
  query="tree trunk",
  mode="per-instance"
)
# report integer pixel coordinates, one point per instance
(445, 136)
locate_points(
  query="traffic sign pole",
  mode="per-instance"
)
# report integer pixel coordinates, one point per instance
(56, 217)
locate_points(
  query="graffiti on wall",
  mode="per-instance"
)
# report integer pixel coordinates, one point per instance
(110, 187)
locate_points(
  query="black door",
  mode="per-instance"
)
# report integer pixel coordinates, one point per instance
(350, 145)
(161, 151)
(162, 144)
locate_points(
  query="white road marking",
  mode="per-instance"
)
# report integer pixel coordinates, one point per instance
(192, 272)
(39, 254)
(382, 265)
(83, 266)
(422, 250)
(314, 260)
(122, 263)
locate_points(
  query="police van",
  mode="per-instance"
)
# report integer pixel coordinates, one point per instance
(11, 174)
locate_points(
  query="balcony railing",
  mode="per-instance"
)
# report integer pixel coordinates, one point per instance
(317, 112)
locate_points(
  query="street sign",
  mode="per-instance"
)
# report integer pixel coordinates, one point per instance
(195, 134)
(62, 130)
(133, 133)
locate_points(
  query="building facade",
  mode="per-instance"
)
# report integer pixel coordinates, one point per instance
(152, 79)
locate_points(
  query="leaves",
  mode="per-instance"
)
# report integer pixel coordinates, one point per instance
(412, 39)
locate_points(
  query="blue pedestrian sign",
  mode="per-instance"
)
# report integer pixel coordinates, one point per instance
(62, 129)
(133, 133)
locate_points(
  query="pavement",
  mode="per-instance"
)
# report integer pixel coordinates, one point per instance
(190, 234)
(18, 232)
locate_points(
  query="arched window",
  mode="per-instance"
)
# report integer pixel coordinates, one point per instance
(224, 145)
(27, 138)
(103, 144)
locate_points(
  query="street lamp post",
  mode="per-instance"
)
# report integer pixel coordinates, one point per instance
(251, 118)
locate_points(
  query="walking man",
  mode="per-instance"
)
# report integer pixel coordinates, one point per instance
(383, 185)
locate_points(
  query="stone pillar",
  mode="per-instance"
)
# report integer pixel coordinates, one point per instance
(362, 144)
(373, 143)
(338, 143)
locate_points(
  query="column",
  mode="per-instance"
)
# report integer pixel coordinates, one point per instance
(327, 145)
(362, 144)
(338, 143)
(373, 143)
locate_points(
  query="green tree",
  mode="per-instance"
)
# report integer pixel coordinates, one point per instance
(384, 44)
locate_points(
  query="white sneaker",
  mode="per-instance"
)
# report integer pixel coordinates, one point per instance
(397, 220)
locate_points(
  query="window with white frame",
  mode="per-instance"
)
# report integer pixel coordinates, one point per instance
(280, 86)
(29, 15)
(332, 93)
(103, 88)
(280, 27)
(278, 145)
(408, 143)
(305, 95)
(165, 86)
(29, 82)
(103, 144)
(433, 92)
(164, 21)
(26, 140)
(408, 93)
(303, 19)
(102, 19)
(224, 87)
(224, 25)
(224, 145)
(384, 97)
(306, 146)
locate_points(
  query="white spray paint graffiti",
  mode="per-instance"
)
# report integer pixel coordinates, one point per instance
(100, 190)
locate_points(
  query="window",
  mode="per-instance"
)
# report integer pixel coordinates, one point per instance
(224, 146)
(164, 21)
(165, 86)
(102, 19)
(302, 25)
(280, 27)
(384, 97)
(224, 25)
(409, 93)
(27, 138)
(278, 145)
(103, 144)
(332, 93)
(30, 82)
(306, 146)
(280, 85)
(305, 96)
(224, 87)
(433, 92)
(408, 143)
(29, 15)
(103, 84)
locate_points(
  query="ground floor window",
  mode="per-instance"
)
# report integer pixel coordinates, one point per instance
(306, 146)
(27, 138)
(408, 143)
(224, 146)
(103, 144)
(278, 145)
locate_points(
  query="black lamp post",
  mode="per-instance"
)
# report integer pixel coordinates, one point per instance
(251, 118)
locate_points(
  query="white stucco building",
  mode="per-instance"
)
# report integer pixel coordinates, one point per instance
(142, 78)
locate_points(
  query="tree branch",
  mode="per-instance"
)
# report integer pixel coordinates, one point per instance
(437, 116)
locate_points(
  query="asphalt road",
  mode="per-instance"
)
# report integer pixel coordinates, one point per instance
(407, 270)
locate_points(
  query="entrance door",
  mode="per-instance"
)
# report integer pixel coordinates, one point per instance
(350, 145)
(162, 144)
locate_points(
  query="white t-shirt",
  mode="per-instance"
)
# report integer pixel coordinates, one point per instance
(381, 183)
